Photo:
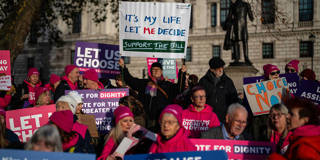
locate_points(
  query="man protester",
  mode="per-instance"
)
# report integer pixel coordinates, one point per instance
(219, 88)
(91, 80)
(155, 93)
(236, 122)
(68, 82)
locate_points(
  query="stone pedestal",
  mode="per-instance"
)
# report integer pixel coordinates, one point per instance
(237, 73)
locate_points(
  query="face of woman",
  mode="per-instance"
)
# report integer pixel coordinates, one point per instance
(46, 98)
(294, 119)
(126, 123)
(34, 79)
(274, 74)
(169, 125)
(278, 119)
(41, 146)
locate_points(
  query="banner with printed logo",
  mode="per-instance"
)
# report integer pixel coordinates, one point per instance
(101, 104)
(154, 29)
(24, 122)
(199, 155)
(5, 70)
(236, 149)
(262, 95)
(169, 67)
(104, 58)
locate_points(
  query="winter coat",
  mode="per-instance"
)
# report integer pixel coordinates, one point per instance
(216, 133)
(5, 99)
(196, 122)
(304, 144)
(282, 144)
(108, 149)
(220, 93)
(25, 88)
(65, 84)
(179, 143)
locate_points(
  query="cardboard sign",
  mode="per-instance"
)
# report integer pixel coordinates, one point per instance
(199, 155)
(236, 149)
(101, 104)
(262, 95)
(102, 57)
(169, 67)
(24, 122)
(10, 154)
(5, 70)
(90, 121)
(310, 90)
(153, 29)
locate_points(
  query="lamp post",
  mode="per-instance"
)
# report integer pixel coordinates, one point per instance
(312, 37)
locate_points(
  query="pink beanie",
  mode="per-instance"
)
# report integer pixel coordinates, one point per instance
(92, 75)
(122, 112)
(69, 68)
(294, 63)
(63, 120)
(268, 68)
(175, 110)
(33, 71)
(54, 78)
(39, 91)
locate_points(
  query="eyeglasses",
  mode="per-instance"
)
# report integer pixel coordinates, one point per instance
(169, 122)
(290, 70)
(274, 73)
(275, 116)
(241, 122)
(199, 97)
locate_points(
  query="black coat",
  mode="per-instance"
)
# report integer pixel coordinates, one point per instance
(221, 95)
(62, 87)
(216, 133)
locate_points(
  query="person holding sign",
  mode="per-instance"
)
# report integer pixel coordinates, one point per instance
(172, 137)
(308, 74)
(199, 117)
(68, 82)
(91, 80)
(292, 66)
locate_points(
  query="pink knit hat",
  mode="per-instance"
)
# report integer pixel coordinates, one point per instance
(175, 110)
(69, 68)
(122, 112)
(63, 120)
(268, 68)
(54, 78)
(294, 63)
(39, 91)
(33, 71)
(92, 75)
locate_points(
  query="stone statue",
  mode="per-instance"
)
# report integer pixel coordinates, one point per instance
(236, 27)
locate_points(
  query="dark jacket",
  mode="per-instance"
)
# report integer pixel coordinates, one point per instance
(24, 88)
(62, 87)
(220, 93)
(216, 133)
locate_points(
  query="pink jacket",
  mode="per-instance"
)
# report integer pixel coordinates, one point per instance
(179, 143)
(108, 149)
(196, 122)
(275, 138)
(4, 102)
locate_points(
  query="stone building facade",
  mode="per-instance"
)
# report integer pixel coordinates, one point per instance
(281, 31)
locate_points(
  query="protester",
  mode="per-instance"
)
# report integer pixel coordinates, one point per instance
(271, 72)
(199, 116)
(8, 139)
(43, 96)
(308, 74)
(304, 123)
(236, 122)
(121, 84)
(172, 137)
(91, 80)
(220, 89)
(66, 102)
(45, 139)
(155, 93)
(136, 108)
(72, 140)
(278, 131)
(68, 82)
(78, 101)
(5, 98)
(292, 66)
(25, 95)
(54, 82)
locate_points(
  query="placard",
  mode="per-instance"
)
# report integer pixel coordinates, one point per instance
(102, 57)
(5, 70)
(263, 95)
(90, 121)
(310, 90)
(199, 155)
(24, 122)
(154, 29)
(101, 104)
(236, 149)
(169, 67)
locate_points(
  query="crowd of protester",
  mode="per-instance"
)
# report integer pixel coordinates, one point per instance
(208, 109)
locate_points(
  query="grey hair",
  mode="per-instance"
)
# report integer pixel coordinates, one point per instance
(234, 107)
(49, 134)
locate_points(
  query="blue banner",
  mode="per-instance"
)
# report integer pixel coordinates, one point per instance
(309, 90)
(199, 155)
(10, 154)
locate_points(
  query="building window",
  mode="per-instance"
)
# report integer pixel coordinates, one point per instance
(213, 14)
(216, 51)
(267, 50)
(126, 60)
(76, 19)
(305, 10)
(306, 49)
(191, 18)
(189, 54)
(224, 10)
(268, 11)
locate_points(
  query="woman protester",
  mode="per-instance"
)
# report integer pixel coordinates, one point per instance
(43, 96)
(173, 137)
(278, 131)
(135, 107)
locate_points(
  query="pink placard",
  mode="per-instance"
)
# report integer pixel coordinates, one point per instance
(24, 122)
(5, 70)
(236, 149)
